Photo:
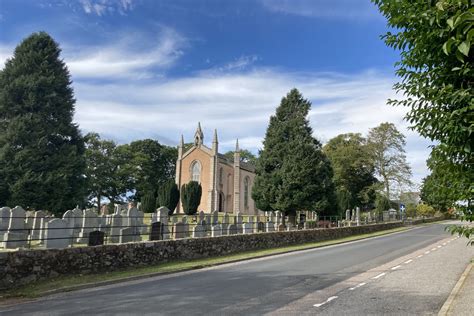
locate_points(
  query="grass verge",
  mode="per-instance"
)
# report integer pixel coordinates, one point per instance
(69, 283)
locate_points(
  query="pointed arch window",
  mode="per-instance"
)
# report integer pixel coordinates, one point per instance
(196, 171)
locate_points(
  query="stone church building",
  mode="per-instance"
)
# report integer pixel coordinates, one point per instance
(226, 183)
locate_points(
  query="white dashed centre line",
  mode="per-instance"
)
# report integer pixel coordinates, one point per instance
(357, 286)
(327, 301)
(433, 249)
(396, 267)
(408, 261)
(444, 244)
(427, 252)
(379, 276)
(419, 256)
(440, 246)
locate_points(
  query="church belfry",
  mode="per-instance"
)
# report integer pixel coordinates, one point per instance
(198, 136)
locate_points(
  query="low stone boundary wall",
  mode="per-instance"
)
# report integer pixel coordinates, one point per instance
(425, 220)
(26, 266)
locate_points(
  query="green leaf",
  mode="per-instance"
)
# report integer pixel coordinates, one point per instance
(464, 48)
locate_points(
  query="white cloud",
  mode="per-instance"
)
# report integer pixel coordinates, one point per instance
(126, 58)
(101, 7)
(6, 51)
(239, 106)
(336, 9)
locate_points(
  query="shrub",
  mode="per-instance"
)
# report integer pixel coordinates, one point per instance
(168, 195)
(148, 203)
(425, 210)
(191, 197)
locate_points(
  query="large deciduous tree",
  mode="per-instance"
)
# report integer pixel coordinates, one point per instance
(387, 149)
(41, 149)
(292, 172)
(353, 170)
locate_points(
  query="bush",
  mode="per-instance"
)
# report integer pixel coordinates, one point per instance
(148, 203)
(411, 210)
(382, 203)
(191, 197)
(425, 210)
(168, 196)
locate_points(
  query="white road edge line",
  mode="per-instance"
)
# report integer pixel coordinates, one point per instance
(379, 276)
(327, 301)
(408, 261)
(396, 267)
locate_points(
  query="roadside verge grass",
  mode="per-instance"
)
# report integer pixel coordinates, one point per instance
(75, 282)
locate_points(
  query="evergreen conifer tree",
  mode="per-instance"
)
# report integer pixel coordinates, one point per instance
(293, 174)
(168, 195)
(41, 149)
(191, 197)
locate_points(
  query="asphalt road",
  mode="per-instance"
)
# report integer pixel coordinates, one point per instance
(252, 287)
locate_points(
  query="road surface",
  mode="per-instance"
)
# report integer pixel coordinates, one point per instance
(317, 281)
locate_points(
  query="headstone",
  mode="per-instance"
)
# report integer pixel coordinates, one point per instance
(278, 218)
(269, 226)
(260, 227)
(348, 215)
(225, 219)
(207, 218)
(96, 238)
(140, 222)
(216, 231)
(4, 221)
(16, 236)
(215, 218)
(36, 227)
(369, 216)
(115, 228)
(156, 231)
(126, 235)
(198, 231)
(201, 216)
(353, 218)
(133, 220)
(162, 216)
(89, 223)
(247, 228)
(57, 234)
(232, 229)
(179, 230)
(358, 216)
(281, 228)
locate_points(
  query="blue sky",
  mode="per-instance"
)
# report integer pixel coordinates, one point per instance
(153, 69)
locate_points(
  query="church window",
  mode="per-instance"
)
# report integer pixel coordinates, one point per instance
(221, 176)
(196, 171)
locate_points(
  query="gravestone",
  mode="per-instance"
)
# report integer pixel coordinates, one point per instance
(115, 227)
(260, 227)
(247, 228)
(215, 218)
(198, 231)
(201, 216)
(96, 238)
(353, 218)
(281, 228)
(57, 234)
(4, 221)
(162, 215)
(89, 223)
(232, 229)
(126, 235)
(278, 218)
(269, 226)
(140, 222)
(369, 216)
(216, 231)
(156, 231)
(179, 230)
(36, 227)
(348, 215)
(16, 236)
(207, 218)
(358, 216)
(133, 220)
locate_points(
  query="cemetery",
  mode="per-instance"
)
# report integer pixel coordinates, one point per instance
(20, 229)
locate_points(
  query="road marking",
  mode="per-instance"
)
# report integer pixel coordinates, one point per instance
(444, 244)
(396, 267)
(379, 276)
(440, 246)
(408, 261)
(427, 252)
(357, 286)
(327, 301)
(419, 256)
(433, 249)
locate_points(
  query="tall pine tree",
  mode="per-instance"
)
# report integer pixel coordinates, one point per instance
(41, 149)
(293, 174)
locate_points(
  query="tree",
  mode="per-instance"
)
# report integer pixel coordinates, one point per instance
(292, 172)
(191, 197)
(382, 203)
(151, 165)
(168, 196)
(437, 80)
(245, 156)
(353, 170)
(425, 210)
(106, 170)
(387, 147)
(41, 149)
(148, 202)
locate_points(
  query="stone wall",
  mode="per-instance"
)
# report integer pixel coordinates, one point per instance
(26, 266)
(425, 220)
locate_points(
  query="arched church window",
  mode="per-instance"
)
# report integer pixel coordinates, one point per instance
(246, 192)
(221, 176)
(196, 171)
